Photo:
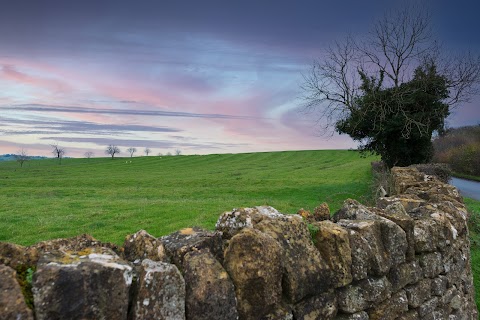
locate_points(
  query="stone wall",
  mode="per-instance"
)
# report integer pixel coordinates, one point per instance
(407, 258)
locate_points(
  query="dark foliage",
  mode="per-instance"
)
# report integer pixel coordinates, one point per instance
(397, 123)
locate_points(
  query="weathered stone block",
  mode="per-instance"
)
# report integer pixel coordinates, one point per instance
(232, 222)
(93, 284)
(396, 213)
(439, 285)
(426, 233)
(390, 308)
(369, 256)
(210, 293)
(364, 294)
(419, 292)
(319, 307)
(258, 282)
(448, 296)
(393, 237)
(12, 303)
(432, 264)
(404, 274)
(427, 307)
(160, 292)
(141, 245)
(305, 272)
(334, 245)
(183, 241)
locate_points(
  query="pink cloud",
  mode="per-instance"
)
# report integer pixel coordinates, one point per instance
(11, 73)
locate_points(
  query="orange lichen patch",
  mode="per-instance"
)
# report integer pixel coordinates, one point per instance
(68, 259)
(305, 214)
(85, 252)
(187, 231)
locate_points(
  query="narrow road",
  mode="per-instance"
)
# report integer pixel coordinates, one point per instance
(467, 188)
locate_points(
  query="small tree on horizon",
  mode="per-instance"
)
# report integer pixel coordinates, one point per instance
(131, 150)
(58, 152)
(22, 157)
(147, 151)
(88, 154)
(112, 150)
(178, 152)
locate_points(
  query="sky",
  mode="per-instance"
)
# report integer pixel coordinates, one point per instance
(198, 76)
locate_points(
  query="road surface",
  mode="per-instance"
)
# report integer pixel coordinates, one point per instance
(467, 188)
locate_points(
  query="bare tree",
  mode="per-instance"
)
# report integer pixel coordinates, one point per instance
(147, 151)
(112, 150)
(58, 152)
(22, 157)
(168, 154)
(88, 154)
(398, 44)
(131, 150)
(178, 152)
(160, 154)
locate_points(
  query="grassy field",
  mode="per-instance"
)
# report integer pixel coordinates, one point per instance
(474, 228)
(111, 198)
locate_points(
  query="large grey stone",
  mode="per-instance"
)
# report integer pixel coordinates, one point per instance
(393, 238)
(210, 293)
(91, 284)
(419, 292)
(334, 245)
(305, 272)
(369, 256)
(160, 292)
(254, 262)
(404, 274)
(432, 264)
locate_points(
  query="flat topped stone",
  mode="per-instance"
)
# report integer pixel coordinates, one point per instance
(183, 241)
(92, 283)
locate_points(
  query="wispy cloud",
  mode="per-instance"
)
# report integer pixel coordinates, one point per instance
(82, 127)
(134, 112)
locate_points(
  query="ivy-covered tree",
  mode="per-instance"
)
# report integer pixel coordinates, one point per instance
(391, 88)
(397, 122)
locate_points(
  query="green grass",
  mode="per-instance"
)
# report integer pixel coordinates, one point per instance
(466, 176)
(110, 198)
(474, 228)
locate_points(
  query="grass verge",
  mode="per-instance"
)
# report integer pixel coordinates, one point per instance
(473, 207)
(465, 176)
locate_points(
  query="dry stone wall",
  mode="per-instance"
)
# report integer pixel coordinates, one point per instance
(406, 258)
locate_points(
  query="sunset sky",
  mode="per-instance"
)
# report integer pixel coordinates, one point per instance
(199, 76)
